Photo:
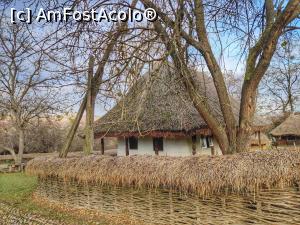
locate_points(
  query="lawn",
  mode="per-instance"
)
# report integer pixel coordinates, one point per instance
(17, 204)
(16, 187)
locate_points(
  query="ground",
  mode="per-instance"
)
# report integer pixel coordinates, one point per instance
(19, 206)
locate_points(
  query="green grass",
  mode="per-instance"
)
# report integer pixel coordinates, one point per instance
(16, 187)
(16, 190)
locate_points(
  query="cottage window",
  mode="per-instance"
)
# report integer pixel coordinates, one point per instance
(206, 142)
(291, 138)
(133, 143)
(158, 144)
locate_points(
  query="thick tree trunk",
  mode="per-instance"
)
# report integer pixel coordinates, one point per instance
(90, 107)
(247, 111)
(73, 129)
(21, 146)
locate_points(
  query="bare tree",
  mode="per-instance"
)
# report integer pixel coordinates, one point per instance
(117, 59)
(280, 87)
(27, 90)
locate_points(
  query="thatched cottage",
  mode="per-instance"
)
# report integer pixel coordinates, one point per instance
(288, 132)
(157, 116)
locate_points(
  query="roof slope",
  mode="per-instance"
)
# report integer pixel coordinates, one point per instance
(290, 126)
(158, 105)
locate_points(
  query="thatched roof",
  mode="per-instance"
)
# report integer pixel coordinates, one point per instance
(289, 127)
(158, 105)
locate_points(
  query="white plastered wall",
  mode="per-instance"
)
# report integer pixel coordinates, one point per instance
(172, 147)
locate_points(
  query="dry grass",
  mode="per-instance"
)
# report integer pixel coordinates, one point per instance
(203, 175)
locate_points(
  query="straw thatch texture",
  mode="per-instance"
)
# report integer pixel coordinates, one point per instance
(203, 175)
(289, 127)
(159, 105)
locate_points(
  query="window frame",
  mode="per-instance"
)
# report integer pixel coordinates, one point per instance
(159, 139)
(130, 143)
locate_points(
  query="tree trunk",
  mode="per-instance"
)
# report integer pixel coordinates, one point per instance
(247, 111)
(218, 77)
(21, 146)
(73, 129)
(90, 107)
